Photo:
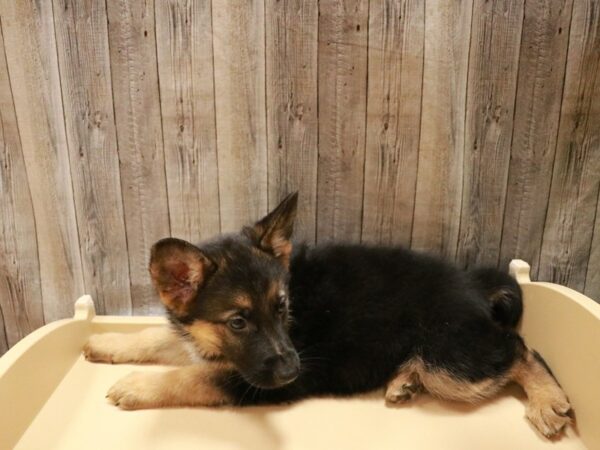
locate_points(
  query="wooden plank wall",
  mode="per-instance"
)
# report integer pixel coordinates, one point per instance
(469, 129)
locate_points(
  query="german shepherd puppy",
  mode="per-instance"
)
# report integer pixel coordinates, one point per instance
(254, 321)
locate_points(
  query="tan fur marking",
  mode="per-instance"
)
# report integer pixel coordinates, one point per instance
(208, 337)
(187, 386)
(157, 345)
(442, 383)
(273, 291)
(242, 302)
(403, 387)
(548, 406)
(282, 249)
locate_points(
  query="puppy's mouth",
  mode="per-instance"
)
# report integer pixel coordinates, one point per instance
(274, 384)
(273, 379)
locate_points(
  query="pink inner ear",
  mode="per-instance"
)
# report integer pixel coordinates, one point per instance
(183, 294)
(183, 291)
(180, 271)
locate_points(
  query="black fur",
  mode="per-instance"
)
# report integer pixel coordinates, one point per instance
(504, 293)
(360, 312)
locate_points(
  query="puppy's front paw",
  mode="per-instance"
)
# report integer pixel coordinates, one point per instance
(138, 390)
(103, 348)
(550, 417)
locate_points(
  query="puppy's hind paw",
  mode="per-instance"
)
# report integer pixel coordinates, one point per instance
(551, 418)
(402, 393)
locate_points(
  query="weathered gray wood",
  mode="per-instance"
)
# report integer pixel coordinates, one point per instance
(291, 75)
(493, 64)
(83, 58)
(539, 94)
(592, 279)
(139, 137)
(3, 341)
(576, 176)
(20, 290)
(239, 50)
(30, 45)
(441, 149)
(342, 78)
(394, 119)
(185, 63)
(396, 33)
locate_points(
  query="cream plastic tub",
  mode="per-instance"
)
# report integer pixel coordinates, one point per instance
(50, 397)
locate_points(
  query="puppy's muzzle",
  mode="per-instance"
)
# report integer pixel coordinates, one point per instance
(284, 367)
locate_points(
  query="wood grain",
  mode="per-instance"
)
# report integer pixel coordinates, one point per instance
(542, 62)
(493, 64)
(342, 78)
(396, 33)
(441, 148)
(139, 136)
(83, 57)
(592, 278)
(20, 290)
(576, 176)
(30, 45)
(468, 129)
(185, 62)
(3, 341)
(239, 49)
(291, 74)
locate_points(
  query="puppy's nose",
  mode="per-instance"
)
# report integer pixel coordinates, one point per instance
(285, 367)
(286, 373)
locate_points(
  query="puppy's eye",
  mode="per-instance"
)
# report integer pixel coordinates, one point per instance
(237, 323)
(282, 304)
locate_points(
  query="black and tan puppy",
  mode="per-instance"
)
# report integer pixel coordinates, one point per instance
(253, 322)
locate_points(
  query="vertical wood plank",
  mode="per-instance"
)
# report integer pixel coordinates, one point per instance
(3, 341)
(30, 45)
(291, 72)
(576, 176)
(396, 33)
(592, 278)
(441, 149)
(83, 58)
(139, 136)
(239, 50)
(20, 288)
(493, 65)
(185, 62)
(343, 27)
(539, 94)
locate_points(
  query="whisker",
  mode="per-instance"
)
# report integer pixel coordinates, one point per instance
(244, 395)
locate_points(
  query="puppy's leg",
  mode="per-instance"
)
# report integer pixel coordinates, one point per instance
(195, 385)
(447, 385)
(548, 407)
(157, 345)
(404, 386)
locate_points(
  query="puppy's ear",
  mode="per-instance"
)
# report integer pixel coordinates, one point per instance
(273, 232)
(178, 270)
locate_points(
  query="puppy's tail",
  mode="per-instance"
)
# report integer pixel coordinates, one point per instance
(503, 293)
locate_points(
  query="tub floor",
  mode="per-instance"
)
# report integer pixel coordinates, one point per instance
(77, 416)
